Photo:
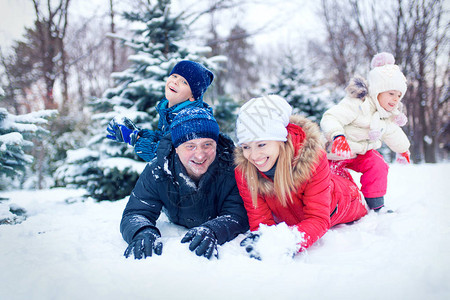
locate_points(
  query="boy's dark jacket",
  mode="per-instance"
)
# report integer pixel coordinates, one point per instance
(147, 145)
(215, 201)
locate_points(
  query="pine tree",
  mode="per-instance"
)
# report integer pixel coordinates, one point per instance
(236, 79)
(225, 113)
(107, 169)
(16, 133)
(303, 95)
(241, 74)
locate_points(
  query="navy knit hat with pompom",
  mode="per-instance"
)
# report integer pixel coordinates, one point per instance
(193, 123)
(198, 77)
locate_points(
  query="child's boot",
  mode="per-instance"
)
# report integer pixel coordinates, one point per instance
(383, 210)
(377, 204)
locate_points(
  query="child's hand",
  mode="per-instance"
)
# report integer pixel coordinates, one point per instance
(340, 147)
(403, 158)
(123, 132)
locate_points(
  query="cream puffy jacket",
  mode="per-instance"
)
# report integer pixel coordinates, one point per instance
(355, 118)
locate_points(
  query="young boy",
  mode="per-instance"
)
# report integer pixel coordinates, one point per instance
(368, 116)
(184, 88)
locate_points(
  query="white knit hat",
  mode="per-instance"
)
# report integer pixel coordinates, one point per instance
(263, 119)
(385, 76)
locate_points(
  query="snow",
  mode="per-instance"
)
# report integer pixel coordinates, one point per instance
(75, 251)
(80, 154)
(13, 138)
(121, 112)
(287, 239)
(121, 163)
(427, 139)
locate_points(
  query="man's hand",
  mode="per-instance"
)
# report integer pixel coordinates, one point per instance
(203, 241)
(144, 244)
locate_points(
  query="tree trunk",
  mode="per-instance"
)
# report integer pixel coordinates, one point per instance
(113, 40)
(49, 99)
(64, 80)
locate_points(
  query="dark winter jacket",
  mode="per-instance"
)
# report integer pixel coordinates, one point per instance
(164, 184)
(148, 141)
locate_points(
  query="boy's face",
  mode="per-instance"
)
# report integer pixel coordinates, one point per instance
(177, 90)
(389, 99)
(197, 155)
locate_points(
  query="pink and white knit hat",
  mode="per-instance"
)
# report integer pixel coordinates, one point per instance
(385, 76)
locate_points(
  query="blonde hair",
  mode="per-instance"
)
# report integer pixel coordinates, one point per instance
(283, 183)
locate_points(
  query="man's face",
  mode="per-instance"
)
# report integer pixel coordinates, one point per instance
(197, 155)
(177, 90)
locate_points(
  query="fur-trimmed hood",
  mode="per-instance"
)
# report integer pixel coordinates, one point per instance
(308, 147)
(359, 88)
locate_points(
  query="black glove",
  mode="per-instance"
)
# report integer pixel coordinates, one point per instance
(203, 241)
(144, 243)
(249, 243)
(124, 132)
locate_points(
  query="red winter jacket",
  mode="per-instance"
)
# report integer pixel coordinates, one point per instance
(319, 193)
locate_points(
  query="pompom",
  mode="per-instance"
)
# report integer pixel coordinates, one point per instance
(381, 59)
(401, 119)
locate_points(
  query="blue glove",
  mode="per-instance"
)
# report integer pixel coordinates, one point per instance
(203, 241)
(249, 243)
(145, 243)
(123, 133)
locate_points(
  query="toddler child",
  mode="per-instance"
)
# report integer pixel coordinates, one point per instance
(369, 115)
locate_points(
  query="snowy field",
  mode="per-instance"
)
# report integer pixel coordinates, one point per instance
(74, 251)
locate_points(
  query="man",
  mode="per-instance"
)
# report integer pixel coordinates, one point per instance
(192, 178)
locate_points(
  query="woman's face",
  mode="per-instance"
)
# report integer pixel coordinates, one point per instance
(262, 154)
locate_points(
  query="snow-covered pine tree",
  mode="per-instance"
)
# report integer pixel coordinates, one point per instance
(107, 169)
(241, 74)
(306, 97)
(225, 110)
(16, 133)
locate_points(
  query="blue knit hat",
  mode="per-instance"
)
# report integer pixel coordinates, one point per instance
(198, 77)
(193, 123)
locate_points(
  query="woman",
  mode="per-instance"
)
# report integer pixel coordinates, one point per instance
(283, 173)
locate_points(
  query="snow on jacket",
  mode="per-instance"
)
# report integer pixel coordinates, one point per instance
(164, 184)
(358, 114)
(318, 195)
(147, 144)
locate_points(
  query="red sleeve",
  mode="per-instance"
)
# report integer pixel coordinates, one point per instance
(256, 215)
(316, 201)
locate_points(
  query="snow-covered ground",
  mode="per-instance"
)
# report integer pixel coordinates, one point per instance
(74, 251)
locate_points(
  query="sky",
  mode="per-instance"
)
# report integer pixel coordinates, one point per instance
(283, 21)
(14, 15)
